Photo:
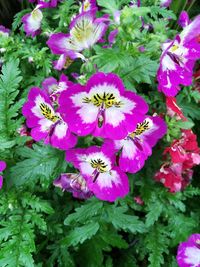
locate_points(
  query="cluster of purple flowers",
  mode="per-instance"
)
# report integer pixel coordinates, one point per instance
(62, 111)
(179, 56)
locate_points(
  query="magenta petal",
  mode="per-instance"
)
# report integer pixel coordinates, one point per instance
(2, 165)
(183, 20)
(119, 187)
(102, 79)
(57, 43)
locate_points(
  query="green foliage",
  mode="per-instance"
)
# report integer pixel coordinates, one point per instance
(41, 161)
(24, 214)
(9, 105)
(41, 226)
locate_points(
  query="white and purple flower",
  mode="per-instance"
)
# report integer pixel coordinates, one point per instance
(178, 59)
(136, 147)
(102, 107)
(2, 168)
(85, 31)
(88, 5)
(4, 31)
(189, 252)
(32, 22)
(74, 183)
(45, 4)
(45, 122)
(165, 3)
(54, 88)
(105, 180)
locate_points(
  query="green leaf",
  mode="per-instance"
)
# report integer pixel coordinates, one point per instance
(185, 124)
(114, 239)
(40, 161)
(157, 243)
(117, 59)
(85, 212)
(165, 13)
(190, 109)
(120, 220)
(80, 234)
(9, 89)
(140, 70)
(154, 213)
(91, 253)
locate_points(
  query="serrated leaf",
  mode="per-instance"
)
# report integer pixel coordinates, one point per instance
(141, 69)
(39, 161)
(80, 234)
(120, 220)
(154, 213)
(85, 212)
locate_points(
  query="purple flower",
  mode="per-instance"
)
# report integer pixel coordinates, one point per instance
(74, 183)
(135, 3)
(32, 22)
(85, 31)
(3, 31)
(102, 107)
(165, 3)
(2, 167)
(54, 88)
(184, 19)
(45, 4)
(189, 252)
(45, 122)
(178, 59)
(88, 5)
(136, 147)
(104, 179)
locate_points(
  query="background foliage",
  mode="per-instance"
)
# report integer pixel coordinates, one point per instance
(42, 226)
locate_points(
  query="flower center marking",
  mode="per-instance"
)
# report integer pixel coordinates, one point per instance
(198, 243)
(100, 167)
(82, 30)
(86, 5)
(174, 48)
(47, 113)
(105, 100)
(141, 128)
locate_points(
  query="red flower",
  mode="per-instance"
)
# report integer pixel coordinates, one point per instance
(173, 177)
(173, 110)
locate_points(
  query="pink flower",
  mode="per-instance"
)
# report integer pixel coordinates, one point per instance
(188, 254)
(138, 200)
(136, 147)
(2, 167)
(32, 22)
(104, 179)
(178, 59)
(74, 183)
(54, 88)
(102, 107)
(85, 31)
(46, 123)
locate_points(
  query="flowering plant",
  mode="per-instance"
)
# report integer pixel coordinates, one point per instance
(99, 145)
